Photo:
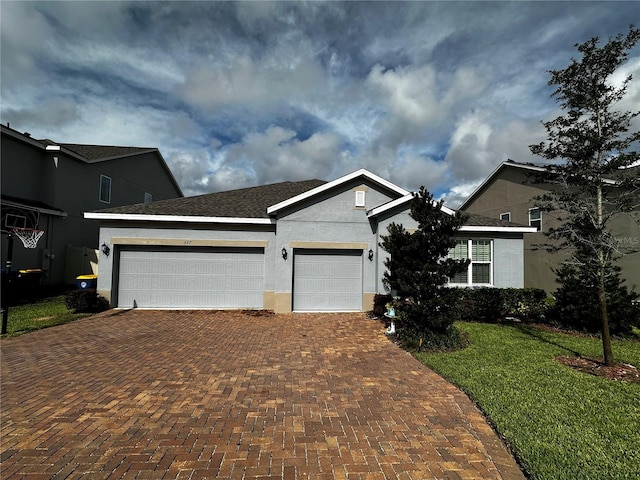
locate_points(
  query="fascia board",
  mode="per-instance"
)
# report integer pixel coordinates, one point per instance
(339, 181)
(175, 218)
(399, 201)
(22, 137)
(46, 211)
(485, 229)
(389, 205)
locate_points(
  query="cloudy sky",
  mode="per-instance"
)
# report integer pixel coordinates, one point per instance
(241, 94)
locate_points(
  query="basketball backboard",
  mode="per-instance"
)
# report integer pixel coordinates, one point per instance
(15, 216)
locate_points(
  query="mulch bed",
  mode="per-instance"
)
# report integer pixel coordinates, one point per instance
(620, 371)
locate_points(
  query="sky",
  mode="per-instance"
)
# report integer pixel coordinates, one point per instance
(238, 94)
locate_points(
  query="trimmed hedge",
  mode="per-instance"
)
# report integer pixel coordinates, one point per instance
(85, 301)
(492, 305)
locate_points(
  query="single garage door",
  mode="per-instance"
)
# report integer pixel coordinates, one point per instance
(327, 280)
(158, 277)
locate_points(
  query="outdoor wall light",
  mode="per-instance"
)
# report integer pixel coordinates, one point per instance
(371, 255)
(105, 249)
(284, 253)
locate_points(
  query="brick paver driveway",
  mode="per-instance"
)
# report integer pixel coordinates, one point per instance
(148, 394)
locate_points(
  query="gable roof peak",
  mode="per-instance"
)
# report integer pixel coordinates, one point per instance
(338, 181)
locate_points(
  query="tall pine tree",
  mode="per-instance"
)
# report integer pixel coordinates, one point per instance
(594, 141)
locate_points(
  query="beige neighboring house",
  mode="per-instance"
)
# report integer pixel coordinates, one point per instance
(48, 185)
(508, 193)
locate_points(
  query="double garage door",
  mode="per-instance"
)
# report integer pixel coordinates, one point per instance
(191, 277)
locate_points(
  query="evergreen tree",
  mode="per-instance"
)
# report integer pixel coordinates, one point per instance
(594, 141)
(418, 269)
(577, 306)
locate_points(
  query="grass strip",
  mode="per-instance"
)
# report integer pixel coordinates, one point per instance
(562, 424)
(44, 313)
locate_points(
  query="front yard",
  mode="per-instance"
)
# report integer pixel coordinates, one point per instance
(561, 423)
(43, 313)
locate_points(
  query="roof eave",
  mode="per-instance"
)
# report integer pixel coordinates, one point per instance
(487, 229)
(175, 218)
(374, 212)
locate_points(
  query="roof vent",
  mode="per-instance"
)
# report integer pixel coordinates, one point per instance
(360, 198)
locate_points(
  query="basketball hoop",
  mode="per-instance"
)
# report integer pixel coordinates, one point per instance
(29, 236)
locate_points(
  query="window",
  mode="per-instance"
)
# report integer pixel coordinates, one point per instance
(535, 218)
(360, 198)
(148, 198)
(460, 252)
(480, 270)
(105, 189)
(505, 216)
(480, 262)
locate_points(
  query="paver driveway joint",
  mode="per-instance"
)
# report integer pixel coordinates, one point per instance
(212, 394)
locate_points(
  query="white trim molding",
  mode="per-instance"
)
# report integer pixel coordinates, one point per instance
(175, 218)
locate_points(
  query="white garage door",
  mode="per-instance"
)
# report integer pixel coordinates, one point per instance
(191, 278)
(327, 280)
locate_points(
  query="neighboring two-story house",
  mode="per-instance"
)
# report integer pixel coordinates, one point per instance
(509, 193)
(290, 246)
(49, 185)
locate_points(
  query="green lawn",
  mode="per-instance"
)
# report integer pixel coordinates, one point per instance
(562, 424)
(41, 314)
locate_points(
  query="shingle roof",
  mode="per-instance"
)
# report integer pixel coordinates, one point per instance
(100, 152)
(475, 220)
(92, 153)
(249, 202)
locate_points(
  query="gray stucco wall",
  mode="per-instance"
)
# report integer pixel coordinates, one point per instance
(508, 262)
(332, 219)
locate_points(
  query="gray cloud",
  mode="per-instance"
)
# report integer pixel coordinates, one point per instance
(242, 93)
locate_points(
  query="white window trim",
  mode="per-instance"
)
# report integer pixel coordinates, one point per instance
(537, 219)
(508, 214)
(100, 191)
(469, 282)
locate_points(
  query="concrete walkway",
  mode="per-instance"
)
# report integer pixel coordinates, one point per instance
(193, 394)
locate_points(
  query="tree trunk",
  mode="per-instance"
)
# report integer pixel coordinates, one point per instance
(602, 291)
(606, 336)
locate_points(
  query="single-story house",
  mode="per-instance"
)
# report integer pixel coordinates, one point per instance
(291, 246)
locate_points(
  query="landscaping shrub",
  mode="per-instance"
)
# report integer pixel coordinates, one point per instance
(430, 326)
(380, 301)
(452, 338)
(577, 306)
(492, 305)
(85, 301)
(482, 305)
(525, 304)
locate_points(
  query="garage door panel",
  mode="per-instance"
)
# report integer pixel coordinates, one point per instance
(191, 278)
(327, 280)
